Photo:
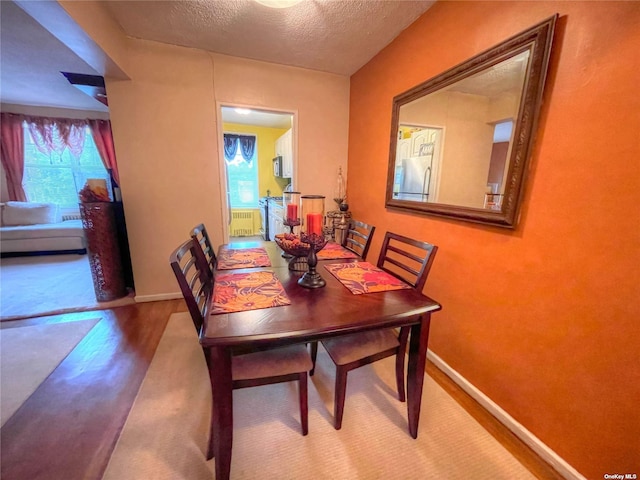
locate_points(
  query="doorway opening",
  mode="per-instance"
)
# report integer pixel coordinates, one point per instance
(498, 166)
(258, 165)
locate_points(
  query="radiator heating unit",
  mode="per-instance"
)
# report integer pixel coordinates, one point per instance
(242, 223)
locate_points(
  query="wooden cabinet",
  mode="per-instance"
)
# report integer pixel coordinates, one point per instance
(284, 148)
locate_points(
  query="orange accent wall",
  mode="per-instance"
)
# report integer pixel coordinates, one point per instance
(545, 319)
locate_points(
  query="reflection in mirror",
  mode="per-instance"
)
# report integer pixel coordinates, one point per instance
(453, 150)
(467, 166)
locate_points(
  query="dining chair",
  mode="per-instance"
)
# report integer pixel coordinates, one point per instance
(200, 235)
(409, 260)
(276, 365)
(358, 239)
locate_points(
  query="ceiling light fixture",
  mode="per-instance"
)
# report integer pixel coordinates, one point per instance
(278, 3)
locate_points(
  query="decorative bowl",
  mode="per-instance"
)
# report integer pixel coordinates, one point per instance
(299, 246)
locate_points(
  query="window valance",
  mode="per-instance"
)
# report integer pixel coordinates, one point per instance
(247, 144)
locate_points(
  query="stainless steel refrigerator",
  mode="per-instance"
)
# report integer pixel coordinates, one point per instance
(415, 178)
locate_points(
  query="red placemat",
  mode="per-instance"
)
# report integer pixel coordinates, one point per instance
(363, 277)
(332, 251)
(238, 292)
(230, 258)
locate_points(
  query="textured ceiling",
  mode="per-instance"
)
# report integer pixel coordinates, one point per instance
(337, 36)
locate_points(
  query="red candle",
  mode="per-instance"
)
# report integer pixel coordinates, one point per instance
(314, 223)
(292, 211)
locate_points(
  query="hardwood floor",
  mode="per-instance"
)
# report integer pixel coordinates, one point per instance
(68, 428)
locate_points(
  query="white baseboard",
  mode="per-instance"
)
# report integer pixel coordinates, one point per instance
(158, 297)
(548, 455)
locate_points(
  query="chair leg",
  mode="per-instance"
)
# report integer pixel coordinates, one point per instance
(340, 393)
(402, 338)
(314, 354)
(212, 443)
(304, 403)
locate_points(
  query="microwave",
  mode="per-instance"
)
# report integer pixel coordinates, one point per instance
(277, 166)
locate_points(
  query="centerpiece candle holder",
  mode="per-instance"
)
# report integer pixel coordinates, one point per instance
(312, 214)
(291, 203)
(312, 223)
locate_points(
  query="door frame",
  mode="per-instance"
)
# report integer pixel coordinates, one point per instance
(225, 208)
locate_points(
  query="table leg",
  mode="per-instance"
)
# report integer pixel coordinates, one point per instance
(222, 418)
(416, 371)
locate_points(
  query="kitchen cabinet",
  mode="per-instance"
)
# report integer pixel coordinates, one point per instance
(404, 149)
(418, 139)
(276, 212)
(284, 148)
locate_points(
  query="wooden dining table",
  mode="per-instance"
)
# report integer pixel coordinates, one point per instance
(313, 315)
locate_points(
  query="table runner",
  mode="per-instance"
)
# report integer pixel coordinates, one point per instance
(333, 251)
(363, 277)
(238, 292)
(230, 258)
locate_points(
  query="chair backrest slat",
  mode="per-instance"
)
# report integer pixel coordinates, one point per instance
(410, 255)
(403, 254)
(404, 267)
(190, 267)
(359, 237)
(200, 235)
(203, 303)
(355, 233)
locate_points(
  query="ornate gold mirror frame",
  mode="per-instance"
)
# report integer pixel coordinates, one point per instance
(461, 141)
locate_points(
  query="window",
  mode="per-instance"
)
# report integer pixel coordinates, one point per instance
(59, 176)
(242, 176)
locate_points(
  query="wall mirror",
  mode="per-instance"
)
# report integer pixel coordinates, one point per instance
(461, 141)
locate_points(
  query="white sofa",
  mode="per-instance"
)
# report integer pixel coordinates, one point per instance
(38, 228)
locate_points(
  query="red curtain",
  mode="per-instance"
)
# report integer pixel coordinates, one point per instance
(12, 154)
(101, 131)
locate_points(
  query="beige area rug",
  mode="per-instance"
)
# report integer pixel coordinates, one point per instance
(28, 354)
(48, 285)
(165, 435)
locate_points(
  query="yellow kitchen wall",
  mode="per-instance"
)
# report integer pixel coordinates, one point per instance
(543, 319)
(167, 140)
(267, 182)
(266, 138)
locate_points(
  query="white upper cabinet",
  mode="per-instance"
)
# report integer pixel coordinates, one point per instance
(284, 148)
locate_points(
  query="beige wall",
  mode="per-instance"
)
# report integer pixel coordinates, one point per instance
(163, 105)
(166, 139)
(468, 138)
(104, 46)
(319, 100)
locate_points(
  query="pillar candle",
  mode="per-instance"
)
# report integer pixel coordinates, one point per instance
(314, 223)
(292, 211)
